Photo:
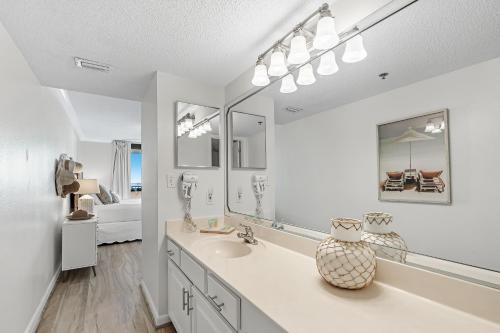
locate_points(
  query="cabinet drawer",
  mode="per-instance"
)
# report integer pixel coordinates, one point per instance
(174, 252)
(194, 271)
(219, 294)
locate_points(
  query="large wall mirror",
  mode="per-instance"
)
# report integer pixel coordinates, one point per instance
(198, 139)
(411, 130)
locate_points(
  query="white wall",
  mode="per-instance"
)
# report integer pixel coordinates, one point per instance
(331, 171)
(97, 159)
(158, 140)
(241, 179)
(34, 131)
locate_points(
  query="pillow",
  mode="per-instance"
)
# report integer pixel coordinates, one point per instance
(431, 174)
(115, 197)
(104, 195)
(394, 174)
(97, 201)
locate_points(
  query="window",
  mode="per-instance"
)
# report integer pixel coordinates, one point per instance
(135, 168)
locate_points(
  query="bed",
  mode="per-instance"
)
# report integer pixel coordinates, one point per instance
(119, 222)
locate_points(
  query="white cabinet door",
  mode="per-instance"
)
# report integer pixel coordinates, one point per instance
(205, 317)
(179, 289)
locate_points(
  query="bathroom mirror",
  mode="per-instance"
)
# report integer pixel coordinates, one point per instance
(248, 141)
(323, 139)
(198, 140)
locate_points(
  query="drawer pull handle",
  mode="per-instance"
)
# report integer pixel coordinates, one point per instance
(218, 306)
(189, 308)
(170, 252)
(184, 302)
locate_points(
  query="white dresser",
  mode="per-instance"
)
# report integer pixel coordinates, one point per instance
(79, 244)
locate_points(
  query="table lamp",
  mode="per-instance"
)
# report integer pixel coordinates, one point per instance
(87, 186)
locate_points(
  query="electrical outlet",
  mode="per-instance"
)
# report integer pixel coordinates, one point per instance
(210, 196)
(172, 180)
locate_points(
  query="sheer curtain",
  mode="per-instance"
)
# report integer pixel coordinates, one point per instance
(120, 182)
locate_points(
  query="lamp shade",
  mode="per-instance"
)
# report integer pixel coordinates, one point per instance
(88, 186)
(277, 66)
(327, 64)
(288, 84)
(306, 75)
(326, 35)
(354, 50)
(298, 51)
(260, 78)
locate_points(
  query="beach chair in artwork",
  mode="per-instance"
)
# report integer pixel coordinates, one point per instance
(395, 181)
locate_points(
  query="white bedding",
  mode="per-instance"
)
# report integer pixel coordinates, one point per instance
(119, 222)
(126, 210)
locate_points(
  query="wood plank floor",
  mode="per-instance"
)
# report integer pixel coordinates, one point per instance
(110, 302)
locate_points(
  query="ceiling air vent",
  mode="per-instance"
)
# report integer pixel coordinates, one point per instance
(91, 64)
(293, 109)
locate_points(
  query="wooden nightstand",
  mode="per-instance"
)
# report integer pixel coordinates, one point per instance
(79, 244)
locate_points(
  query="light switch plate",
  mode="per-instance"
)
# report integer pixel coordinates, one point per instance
(172, 180)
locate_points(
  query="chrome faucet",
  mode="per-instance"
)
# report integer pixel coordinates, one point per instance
(277, 225)
(247, 235)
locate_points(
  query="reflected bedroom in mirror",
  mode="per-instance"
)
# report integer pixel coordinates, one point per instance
(198, 139)
(384, 130)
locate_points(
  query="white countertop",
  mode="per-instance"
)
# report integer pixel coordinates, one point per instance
(286, 286)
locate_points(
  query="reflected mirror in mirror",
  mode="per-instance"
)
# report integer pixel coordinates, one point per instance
(198, 140)
(324, 156)
(248, 141)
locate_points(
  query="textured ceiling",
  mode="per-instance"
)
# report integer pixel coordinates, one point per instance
(210, 41)
(428, 38)
(103, 119)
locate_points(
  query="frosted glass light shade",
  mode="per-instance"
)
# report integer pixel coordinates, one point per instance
(192, 134)
(306, 75)
(354, 50)
(288, 84)
(327, 64)
(298, 51)
(260, 78)
(326, 34)
(277, 66)
(188, 123)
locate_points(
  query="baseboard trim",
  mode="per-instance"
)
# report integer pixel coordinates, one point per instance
(37, 316)
(159, 320)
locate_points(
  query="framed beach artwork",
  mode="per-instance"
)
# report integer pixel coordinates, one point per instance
(414, 159)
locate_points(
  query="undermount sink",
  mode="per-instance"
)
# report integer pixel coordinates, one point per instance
(223, 248)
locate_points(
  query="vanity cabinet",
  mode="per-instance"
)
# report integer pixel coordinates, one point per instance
(199, 302)
(188, 308)
(179, 292)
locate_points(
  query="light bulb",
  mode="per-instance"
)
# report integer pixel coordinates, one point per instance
(288, 84)
(326, 35)
(306, 75)
(188, 123)
(327, 64)
(354, 50)
(260, 78)
(298, 51)
(179, 131)
(192, 134)
(208, 127)
(429, 127)
(201, 130)
(442, 125)
(277, 66)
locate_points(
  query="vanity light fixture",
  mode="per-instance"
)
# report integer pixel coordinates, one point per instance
(328, 64)
(300, 43)
(298, 49)
(288, 84)
(354, 50)
(326, 34)
(278, 63)
(435, 125)
(306, 75)
(260, 78)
